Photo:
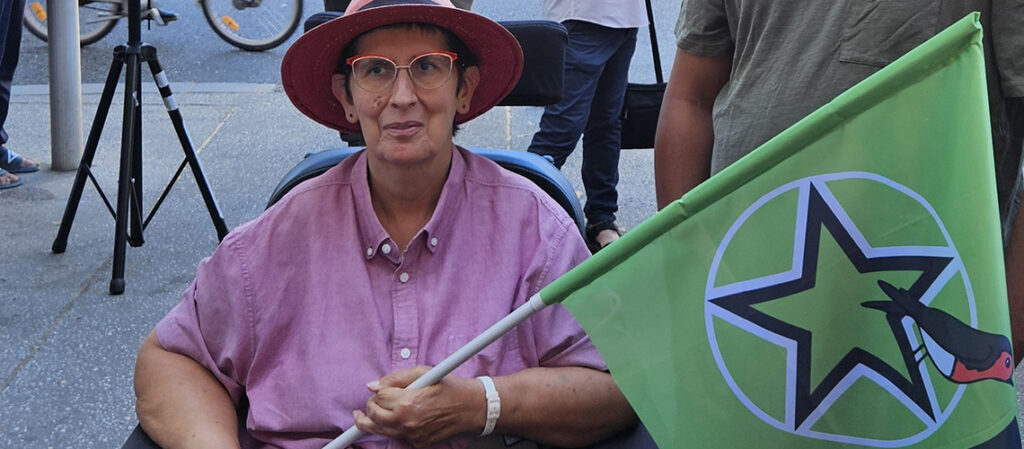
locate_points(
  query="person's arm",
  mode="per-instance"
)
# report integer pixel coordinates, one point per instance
(685, 138)
(564, 406)
(561, 406)
(179, 403)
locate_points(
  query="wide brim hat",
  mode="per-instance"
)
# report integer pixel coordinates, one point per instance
(311, 61)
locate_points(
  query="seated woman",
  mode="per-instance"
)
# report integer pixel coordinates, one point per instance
(317, 313)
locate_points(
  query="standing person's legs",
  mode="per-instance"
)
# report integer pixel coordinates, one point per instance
(562, 123)
(10, 32)
(602, 137)
(11, 15)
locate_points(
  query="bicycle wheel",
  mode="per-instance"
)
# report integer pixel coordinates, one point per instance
(95, 18)
(253, 25)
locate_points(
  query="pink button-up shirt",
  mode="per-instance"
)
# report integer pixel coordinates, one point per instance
(298, 309)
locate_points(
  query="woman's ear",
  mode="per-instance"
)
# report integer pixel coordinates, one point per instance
(339, 91)
(470, 79)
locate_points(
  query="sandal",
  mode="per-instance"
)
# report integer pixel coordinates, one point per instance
(595, 229)
(7, 185)
(15, 163)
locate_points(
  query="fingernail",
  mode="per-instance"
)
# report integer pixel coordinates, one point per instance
(373, 385)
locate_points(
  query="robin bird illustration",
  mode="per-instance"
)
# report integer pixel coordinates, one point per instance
(960, 352)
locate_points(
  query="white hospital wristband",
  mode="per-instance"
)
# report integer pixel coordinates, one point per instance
(493, 404)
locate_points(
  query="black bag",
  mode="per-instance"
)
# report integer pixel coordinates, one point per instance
(642, 102)
(640, 110)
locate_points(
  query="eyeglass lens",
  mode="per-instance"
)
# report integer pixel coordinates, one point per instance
(375, 74)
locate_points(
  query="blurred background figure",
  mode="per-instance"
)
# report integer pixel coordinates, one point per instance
(602, 37)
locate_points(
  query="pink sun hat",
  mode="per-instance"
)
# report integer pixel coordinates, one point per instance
(311, 61)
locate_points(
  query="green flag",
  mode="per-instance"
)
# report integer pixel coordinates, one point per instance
(841, 285)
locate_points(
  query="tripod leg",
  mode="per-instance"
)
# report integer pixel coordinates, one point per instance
(149, 55)
(123, 180)
(135, 238)
(61, 242)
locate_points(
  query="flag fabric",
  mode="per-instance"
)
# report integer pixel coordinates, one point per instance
(840, 286)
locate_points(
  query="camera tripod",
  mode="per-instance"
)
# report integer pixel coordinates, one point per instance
(128, 213)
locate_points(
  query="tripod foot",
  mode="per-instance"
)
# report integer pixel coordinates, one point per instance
(116, 286)
(59, 247)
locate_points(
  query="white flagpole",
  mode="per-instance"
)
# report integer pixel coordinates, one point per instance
(534, 305)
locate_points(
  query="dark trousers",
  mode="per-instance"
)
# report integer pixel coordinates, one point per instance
(596, 73)
(11, 13)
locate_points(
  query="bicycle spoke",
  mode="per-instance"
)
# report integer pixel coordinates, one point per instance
(267, 23)
(256, 28)
(271, 25)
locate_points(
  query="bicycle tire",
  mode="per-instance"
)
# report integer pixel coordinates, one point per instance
(95, 19)
(253, 25)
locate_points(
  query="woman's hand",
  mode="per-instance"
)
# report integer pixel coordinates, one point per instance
(560, 406)
(423, 416)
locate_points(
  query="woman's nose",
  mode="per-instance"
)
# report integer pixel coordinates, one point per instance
(403, 93)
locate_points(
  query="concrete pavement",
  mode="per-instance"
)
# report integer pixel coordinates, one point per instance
(67, 348)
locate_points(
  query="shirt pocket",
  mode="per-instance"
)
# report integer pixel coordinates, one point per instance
(878, 32)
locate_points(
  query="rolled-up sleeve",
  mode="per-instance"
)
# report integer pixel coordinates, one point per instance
(703, 28)
(557, 337)
(213, 322)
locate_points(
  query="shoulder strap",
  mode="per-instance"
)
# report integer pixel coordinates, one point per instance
(654, 44)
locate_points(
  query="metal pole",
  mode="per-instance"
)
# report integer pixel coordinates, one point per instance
(65, 85)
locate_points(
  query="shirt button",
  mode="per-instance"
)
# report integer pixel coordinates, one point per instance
(433, 241)
(369, 252)
(405, 353)
(403, 278)
(386, 249)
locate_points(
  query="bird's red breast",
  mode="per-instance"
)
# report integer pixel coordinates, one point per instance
(1002, 370)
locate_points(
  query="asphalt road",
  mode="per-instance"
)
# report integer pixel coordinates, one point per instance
(190, 51)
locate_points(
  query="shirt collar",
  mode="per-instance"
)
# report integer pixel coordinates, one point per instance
(436, 231)
(434, 234)
(371, 233)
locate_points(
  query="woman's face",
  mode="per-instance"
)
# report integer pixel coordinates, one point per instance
(405, 124)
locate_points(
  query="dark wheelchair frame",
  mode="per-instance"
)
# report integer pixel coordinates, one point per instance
(543, 44)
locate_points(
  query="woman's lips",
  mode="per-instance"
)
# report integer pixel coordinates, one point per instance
(399, 129)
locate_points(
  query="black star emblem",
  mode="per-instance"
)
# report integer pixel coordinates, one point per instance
(808, 397)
